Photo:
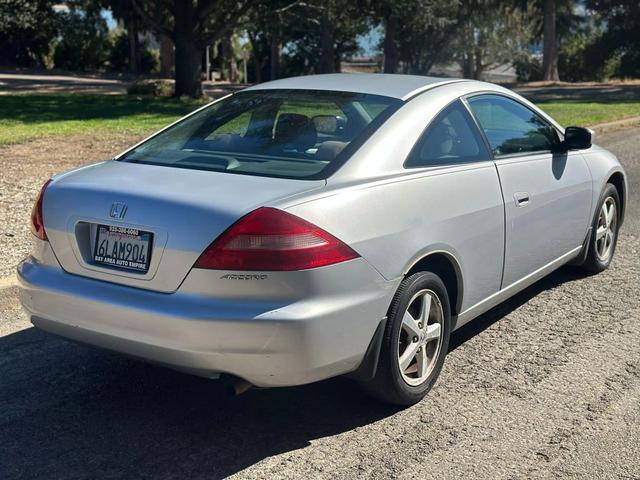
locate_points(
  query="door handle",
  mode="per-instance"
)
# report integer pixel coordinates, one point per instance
(521, 198)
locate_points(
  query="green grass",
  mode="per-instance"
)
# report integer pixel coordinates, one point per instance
(587, 114)
(24, 117)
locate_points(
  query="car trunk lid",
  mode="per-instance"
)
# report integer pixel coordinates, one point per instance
(184, 211)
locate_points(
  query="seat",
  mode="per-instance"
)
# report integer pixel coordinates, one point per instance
(295, 131)
(329, 150)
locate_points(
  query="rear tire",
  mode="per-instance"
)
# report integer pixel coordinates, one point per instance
(604, 232)
(415, 342)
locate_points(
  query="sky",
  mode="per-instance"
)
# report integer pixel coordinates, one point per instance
(108, 16)
(369, 42)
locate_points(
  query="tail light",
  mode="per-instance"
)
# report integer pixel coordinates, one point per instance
(37, 221)
(271, 239)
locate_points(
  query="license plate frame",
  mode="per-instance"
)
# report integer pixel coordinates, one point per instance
(111, 239)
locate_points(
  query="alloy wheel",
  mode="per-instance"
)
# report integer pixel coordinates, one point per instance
(420, 337)
(606, 229)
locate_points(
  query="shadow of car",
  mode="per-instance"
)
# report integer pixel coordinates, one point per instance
(69, 411)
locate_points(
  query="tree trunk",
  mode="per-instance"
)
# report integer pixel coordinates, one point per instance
(188, 51)
(274, 56)
(188, 69)
(257, 63)
(390, 48)
(234, 74)
(327, 53)
(550, 46)
(427, 65)
(467, 65)
(132, 35)
(167, 57)
(229, 60)
(478, 54)
(478, 68)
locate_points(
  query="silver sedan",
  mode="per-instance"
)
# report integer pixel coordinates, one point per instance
(320, 226)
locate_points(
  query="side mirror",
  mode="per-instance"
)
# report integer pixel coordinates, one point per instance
(577, 138)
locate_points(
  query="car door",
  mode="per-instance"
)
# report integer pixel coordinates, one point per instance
(547, 193)
(462, 201)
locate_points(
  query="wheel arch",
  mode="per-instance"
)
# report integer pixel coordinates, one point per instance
(448, 268)
(617, 180)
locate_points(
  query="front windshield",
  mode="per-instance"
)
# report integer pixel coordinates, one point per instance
(275, 133)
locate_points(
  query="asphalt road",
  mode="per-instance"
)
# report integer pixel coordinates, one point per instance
(546, 385)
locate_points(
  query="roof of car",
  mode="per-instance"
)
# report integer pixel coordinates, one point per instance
(388, 85)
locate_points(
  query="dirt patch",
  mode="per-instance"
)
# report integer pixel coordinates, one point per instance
(26, 166)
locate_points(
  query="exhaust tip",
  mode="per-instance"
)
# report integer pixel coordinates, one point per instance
(237, 386)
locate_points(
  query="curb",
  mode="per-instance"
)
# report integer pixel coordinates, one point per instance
(618, 124)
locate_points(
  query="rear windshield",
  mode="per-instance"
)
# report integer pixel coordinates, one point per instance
(274, 133)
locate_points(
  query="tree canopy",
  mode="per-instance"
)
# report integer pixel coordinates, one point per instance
(27, 29)
(279, 38)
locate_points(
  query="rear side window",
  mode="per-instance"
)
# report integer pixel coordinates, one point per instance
(451, 138)
(512, 128)
(273, 133)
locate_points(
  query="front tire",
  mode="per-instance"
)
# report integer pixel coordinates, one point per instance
(604, 233)
(415, 341)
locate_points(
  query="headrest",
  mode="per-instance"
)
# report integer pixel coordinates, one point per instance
(439, 143)
(296, 130)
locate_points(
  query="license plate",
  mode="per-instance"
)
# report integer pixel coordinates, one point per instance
(122, 247)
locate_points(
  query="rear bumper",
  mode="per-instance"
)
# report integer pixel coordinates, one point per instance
(270, 342)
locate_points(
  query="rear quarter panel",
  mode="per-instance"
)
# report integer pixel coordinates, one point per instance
(394, 223)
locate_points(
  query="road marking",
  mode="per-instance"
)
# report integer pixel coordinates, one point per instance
(8, 282)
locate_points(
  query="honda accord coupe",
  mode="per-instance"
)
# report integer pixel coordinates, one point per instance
(320, 226)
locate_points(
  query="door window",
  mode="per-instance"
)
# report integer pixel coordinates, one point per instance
(512, 128)
(451, 138)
